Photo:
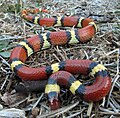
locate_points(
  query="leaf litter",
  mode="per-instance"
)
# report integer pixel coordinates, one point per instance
(104, 48)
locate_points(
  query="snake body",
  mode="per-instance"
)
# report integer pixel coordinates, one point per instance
(61, 73)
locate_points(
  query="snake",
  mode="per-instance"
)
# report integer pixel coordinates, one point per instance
(61, 73)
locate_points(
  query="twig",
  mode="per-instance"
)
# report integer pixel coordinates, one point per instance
(12, 38)
(38, 100)
(18, 103)
(59, 111)
(90, 109)
(115, 79)
(75, 114)
(6, 79)
(4, 61)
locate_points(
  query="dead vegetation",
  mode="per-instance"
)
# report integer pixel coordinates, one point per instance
(103, 48)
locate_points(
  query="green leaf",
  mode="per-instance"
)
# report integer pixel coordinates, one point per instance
(17, 7)
(3, 44)
(5, 54)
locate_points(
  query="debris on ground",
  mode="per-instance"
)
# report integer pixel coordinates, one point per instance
(24, 99)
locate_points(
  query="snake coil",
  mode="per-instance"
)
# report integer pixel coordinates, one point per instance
(61, 73)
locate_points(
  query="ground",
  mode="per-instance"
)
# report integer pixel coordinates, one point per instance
(103, 48)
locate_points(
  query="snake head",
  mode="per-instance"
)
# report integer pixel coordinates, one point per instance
(53, 100)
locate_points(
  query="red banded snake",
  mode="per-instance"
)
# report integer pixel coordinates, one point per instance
(61, 73)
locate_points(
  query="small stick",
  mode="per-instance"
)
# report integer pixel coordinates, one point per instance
(18, 103)
(6, 79)
(90, 109)
(75, 114)
(38, 100)
(59, 111)
(115, 79)
(4, 61)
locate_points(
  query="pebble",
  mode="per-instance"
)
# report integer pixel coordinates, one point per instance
(1, 107)
(35, 111)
